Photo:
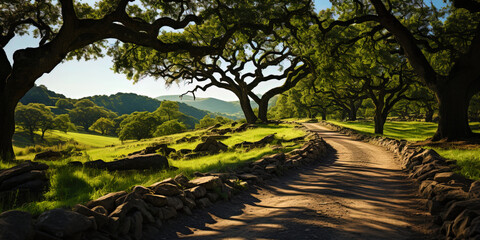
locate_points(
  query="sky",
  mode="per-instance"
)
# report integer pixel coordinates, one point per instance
(77, 79)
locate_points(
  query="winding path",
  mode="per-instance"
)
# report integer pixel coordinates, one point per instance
(359, 192)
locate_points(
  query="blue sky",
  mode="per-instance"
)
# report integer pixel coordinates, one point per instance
(77, 79)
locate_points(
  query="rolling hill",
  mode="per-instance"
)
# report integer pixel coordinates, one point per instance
(226, 108)
(121, 103)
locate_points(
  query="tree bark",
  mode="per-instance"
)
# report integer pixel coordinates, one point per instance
(7, 128)
(324, 114)
(380, 120)
(429, 115)
(453, 102)
(247, 108)
(263, 110)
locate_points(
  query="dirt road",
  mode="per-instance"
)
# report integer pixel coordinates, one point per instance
(357, 193)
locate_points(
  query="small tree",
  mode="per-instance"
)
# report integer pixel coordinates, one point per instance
(138, 125)
(170, 127)
(62, 122)
(104, 125)
(205, 122)
(168, 109)
(34, 116)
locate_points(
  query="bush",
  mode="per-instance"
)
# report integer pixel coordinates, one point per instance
(170, 127)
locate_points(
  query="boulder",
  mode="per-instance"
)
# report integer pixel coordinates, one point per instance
(27, 166)
(134, 162)
(99, 164)
(474, 191)
(175, 203)
(137, 226)
(22, 178)
(183, 181)
(197, 192)
(141, 190)
(63, 223)
(208, 182)
(167, 189)
(75, 164)
(445, 177)
(457, 207)
(168, 212)
(155, 200)
(107, 201)
(139, 162)
(100, 219)
(48, 155)
(101, 210)
(249, 177)
(204, 202)
(185, 151)
(138, 204)
(16, 225)
(211, 145)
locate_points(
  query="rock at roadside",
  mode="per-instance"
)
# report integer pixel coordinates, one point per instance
(63, 223)
(16, 225)
(208, 182)
(107, 201)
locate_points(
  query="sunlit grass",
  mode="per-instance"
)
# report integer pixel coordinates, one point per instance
(467, 159)
(73, 185)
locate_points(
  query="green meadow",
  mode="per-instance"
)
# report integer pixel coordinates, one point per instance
(72, 185)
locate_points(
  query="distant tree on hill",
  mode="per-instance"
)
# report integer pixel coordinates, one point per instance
(138, 125)
(63, 103)
(86, 113)
(205, 122)
(170, 127)
(103, 125)
(84, 103)
(168, 109)
(62, 122)
(33, 117)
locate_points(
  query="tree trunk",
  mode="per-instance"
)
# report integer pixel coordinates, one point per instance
(453, 102)
(247, 108)
(324, 115)
(429, 115)
(263, 110)
(352, 114)
(7, 128)
(379, 120)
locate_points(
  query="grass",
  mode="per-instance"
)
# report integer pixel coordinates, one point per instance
(468, 160)
(73, 185)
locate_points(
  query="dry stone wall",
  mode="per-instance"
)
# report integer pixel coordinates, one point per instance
(452, 199)
(142, 211)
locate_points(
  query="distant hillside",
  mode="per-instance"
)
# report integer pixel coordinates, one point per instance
(121, 103)
(40, 94)
(231, 109)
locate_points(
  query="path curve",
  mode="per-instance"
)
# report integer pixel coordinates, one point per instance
(359, 192)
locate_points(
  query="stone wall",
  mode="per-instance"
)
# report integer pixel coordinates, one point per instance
(143, 210)
(452, 199)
